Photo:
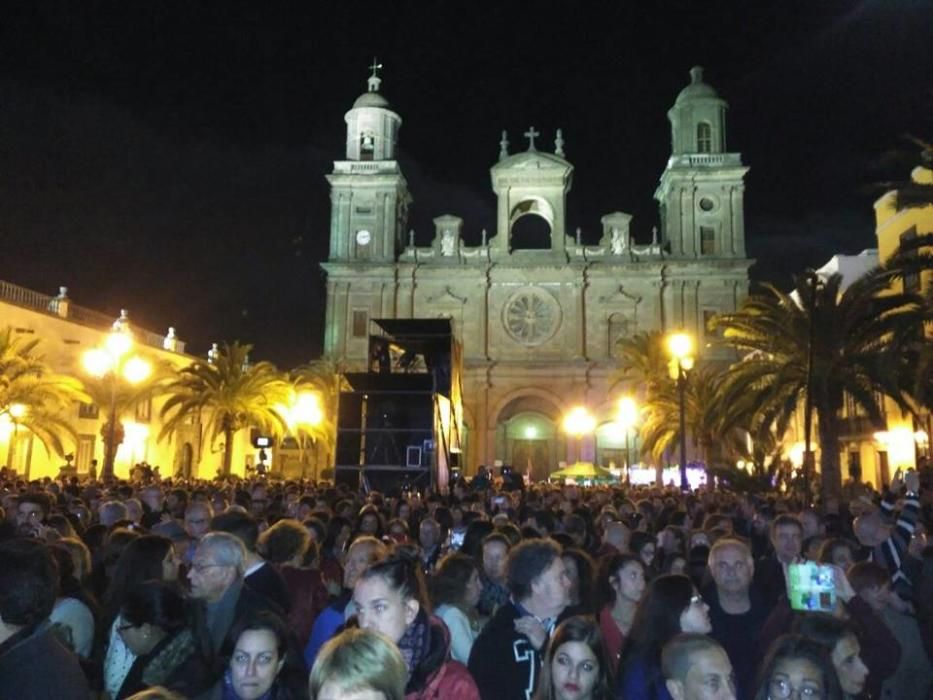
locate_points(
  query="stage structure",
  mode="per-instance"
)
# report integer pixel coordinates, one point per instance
(400, 423)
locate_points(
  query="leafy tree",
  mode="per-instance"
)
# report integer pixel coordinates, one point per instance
(715, 423)
(854, 333)
(231, 394)
(33, 396)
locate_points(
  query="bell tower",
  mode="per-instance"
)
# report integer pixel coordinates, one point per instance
(701, 193)
(369, 194)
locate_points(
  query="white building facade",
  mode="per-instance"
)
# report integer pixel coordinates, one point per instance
(538, 325)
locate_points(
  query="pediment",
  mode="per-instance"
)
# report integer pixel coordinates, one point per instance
(532, 160)
(620, 296)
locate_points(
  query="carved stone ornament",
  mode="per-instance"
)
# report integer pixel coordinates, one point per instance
(531, 316)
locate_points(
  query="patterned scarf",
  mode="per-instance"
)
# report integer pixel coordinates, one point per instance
(416, 642)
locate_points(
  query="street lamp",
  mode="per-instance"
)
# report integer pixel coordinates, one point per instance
(579, 422)
(305, 410)
(626, 417)
(680, 348)
(114, 362)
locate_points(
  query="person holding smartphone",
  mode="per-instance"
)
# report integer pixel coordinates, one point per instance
(32, 512)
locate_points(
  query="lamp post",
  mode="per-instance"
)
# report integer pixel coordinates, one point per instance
(680, 347)
(579, 422)
(114, 362)
(626, 417)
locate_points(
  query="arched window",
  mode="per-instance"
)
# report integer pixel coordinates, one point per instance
(704, 138)
(367, 146)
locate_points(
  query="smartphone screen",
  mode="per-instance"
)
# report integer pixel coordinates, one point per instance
(811, 586)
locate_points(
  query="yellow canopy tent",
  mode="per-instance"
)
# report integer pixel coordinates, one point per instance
(584, 471)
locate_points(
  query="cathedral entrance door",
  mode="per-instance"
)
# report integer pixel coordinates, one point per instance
(532, 457)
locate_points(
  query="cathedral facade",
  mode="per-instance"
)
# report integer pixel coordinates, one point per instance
(538, 327)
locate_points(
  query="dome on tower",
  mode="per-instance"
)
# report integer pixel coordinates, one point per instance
(371, 99)
(697, 89)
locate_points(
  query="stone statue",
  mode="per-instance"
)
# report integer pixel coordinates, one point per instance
(447, 243)
(654, 235)
(411, 238)
(504, 146)
(559, 143)
(483, 244)
(579, 236)
(617, 242)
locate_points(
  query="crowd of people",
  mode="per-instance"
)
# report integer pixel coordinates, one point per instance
(275, 590)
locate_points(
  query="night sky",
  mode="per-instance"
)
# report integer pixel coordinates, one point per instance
(169, 157)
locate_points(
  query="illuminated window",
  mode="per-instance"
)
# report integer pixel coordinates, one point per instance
(704, 138)
(144, 409)
(707, 240)
(88, 410)
(359, 324)
(367, 146)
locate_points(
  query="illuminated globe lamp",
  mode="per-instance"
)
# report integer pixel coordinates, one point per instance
(681, 349)
(114, 362)
(579, 423)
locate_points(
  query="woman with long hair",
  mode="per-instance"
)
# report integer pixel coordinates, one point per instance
(581, 570)
(155, 625)
(797, 667)
(576, 666)
(622, 585)
(333, 548)
(455, 589)
(671, 605)
(390, 598)
(146, 558)
(838, 637)
(289, 547)
(259, 666)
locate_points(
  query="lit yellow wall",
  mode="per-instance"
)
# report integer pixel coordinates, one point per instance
(62, 343)
(890, 225)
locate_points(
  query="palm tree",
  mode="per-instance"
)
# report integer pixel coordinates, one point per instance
(850, 335)
(33, 396)
(715, 424)
(232, 393)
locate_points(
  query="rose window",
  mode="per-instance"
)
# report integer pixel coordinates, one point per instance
(531, 316)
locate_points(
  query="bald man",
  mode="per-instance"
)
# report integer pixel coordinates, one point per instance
(738, 609)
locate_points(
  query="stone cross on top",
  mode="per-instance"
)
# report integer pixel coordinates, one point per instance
(531, 134)
(374, 79)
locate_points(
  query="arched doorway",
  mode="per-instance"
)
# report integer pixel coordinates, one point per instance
(528, 436)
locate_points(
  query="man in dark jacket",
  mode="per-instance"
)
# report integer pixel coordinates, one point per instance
(737, 610)
(506, 657)
(258, 574)
(216, 577)
(33, 664)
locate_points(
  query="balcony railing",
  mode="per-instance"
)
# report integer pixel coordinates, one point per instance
(44, 303)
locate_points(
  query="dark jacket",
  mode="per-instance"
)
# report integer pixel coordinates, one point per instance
(503, 662)
(35, 666)
(268, 582)
(739, 636)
